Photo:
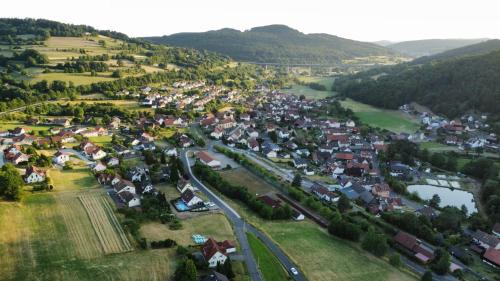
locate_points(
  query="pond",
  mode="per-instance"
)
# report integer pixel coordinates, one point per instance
(455, 198)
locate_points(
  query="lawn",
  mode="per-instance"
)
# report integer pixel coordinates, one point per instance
(241, 176)
(391, 120)
(9, 125)
(101, 140)
(268, 264)
(76, 78)
(210, 225)
(308, 92)
(79, 178)
(48, 236)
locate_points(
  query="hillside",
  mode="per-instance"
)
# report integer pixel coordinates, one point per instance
(275, 44)
(467, 51)
(451, 87)
(419, 48)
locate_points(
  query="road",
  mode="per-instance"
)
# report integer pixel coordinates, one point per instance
(78, 154)
(240, 228)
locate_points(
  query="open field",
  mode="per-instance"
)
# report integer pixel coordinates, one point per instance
(321, 256)
(79, 178)
(105, 224)
(326, 81)
(48, 236)
(242, 177)
(101, 140)
(76, 78)
(308, 92)
(9, 125)
(391, 120)
(210, 225)
(268, 264)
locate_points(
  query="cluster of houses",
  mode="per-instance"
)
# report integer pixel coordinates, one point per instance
(487, 245)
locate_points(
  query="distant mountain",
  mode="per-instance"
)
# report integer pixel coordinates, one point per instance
(467, 51)
(420, 48)
(275, 44)
(384, 43)
(450, 87)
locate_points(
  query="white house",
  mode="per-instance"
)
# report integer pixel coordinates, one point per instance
(99, 167)
(131, 199)
(98, 154)
(189, 198)
(123, 186)
(216, 252)
(34, 175)
(183, 185)
(61, 157)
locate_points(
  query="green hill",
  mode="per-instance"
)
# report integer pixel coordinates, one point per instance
(467, 51)
(275, 44)
(428, 47)
(450, 87)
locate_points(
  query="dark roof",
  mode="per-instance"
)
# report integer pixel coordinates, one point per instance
(366, 196)
(496, 227)
(486, 238)
(187, 196)
(406, 240)
(273, 203)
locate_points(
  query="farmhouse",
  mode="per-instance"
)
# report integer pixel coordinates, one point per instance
(208, 160)
(34, 175)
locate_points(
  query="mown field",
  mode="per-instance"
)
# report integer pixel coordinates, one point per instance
(240, 176)
(49, 236)
(309, 93)
(76, 179)
(269, 265)
(391, 120)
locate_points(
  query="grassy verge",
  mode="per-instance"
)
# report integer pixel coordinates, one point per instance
(268, 264)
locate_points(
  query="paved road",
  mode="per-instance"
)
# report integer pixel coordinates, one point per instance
(78, 154)
(241, 227)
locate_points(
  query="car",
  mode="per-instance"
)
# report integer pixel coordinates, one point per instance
(294, 271)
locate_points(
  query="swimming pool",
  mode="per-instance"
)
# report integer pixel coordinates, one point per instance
(180, 206)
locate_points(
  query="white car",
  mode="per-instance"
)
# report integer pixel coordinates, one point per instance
(294, 271)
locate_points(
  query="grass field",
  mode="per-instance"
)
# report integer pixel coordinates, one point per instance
(48, 236)
(79, 178)
(311, 93)
(211, 225)
(391, 120)
(9, 125)
(101, 140)
(268, 264)
(105, 224)
(242, 177)
(76, 78)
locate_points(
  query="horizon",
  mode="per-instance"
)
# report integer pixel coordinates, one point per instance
(386, 20)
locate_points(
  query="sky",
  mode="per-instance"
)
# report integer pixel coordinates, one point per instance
(364, 20)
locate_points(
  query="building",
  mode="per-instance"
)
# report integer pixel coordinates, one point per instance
(496, 230)
(492, 257)
(60, 157)
(216, 252)
(208, 160)
(34, 175)
(122, 185)
(190, 199)
(183, 185)
(410, 243)
(130, 199)
(485, 240)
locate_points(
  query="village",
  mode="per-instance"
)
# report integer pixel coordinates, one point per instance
(312, 144)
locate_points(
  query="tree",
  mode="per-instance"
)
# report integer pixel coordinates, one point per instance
(190, 271)
(395, 260)
(375, 243)
(227, 269)
(297, 180)
(434, 201)
(441, 264)
(273, 136)
(344, 204)
(427, 276)
(10, 182)
(344, 229)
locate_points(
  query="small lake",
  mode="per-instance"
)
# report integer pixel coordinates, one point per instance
(455, 198)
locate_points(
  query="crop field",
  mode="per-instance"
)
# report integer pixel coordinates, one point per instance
(391, 120)
(268, 264)
(241, 176)
(105, 224)
(76, 78)
(210, 225)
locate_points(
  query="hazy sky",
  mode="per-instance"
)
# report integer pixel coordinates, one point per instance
(366, 20)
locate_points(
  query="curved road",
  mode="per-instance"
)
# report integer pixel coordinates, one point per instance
(241, 227)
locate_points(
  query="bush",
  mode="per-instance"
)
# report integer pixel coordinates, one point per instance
(395, 260)
(344, 229)
(375, 243)
(167, 243)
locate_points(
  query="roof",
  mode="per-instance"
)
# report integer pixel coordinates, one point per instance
(211, 247)
(187, 195)
(273, 203)
(496, 227)
(406, 240)
(493, 256)
(486, 238)
(344, 156)
(205, 157)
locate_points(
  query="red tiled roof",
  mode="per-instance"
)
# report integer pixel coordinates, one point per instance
(406, 240)
(493, 256)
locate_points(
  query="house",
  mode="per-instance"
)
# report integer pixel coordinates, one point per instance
(34, 175)
(130, 199)
(322, 192)
(216, 252)
(298, 216)
(253, 144)
(189, 198)
(64, 122)
(183, 185)
(99, 167)
(18, 131)
(226, 123)
(299, 163)
(215, 276)
(485, 240)
(269, 153)
(381, 190)
(123, 186)
(208, 160)
(20, 158)
(217, 133)
(60, 157)
(113, 161)
(427, 212)
(273, 203)
(492, 257)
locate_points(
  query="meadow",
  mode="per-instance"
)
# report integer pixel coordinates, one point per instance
(309, 93)
(391, 120)
(254, 184)
(269, 265)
